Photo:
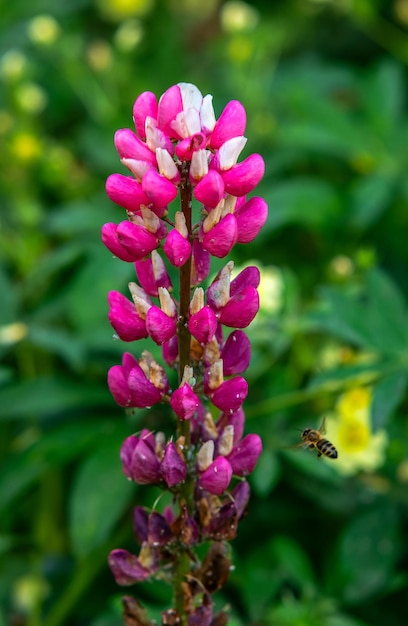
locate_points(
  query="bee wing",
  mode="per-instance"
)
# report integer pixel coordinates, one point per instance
(322, 429)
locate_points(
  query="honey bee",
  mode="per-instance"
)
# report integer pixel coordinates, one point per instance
(314, 439)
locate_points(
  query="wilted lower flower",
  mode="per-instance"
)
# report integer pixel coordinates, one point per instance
(178, 149)
(350, 430)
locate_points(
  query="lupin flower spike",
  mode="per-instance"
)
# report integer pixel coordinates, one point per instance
(178, 149)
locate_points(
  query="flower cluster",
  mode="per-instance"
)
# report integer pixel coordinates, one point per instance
(179, 149)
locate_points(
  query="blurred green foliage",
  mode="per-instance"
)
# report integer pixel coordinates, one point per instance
(325, 88)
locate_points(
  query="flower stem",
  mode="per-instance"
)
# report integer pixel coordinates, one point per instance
(182, 567)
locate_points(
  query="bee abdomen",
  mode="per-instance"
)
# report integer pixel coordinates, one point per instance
(327, 448)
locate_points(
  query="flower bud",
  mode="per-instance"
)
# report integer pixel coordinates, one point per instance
(177, 248)
(210, 190)
(158, 189)
(126, 191)
(159, 533)
(200, 263)
(173, 467)
(220, 240)
(230, 395)
(245, 454)
(140, 523)
(145, 106)
(125, 319)
(127, 568)
(203, 324)
(184, 402)
(151, 273)
(231, 123)
(130, 146)
(236, 353)
(244, 176)
(145, 465)
(217, 476)
(250, 217)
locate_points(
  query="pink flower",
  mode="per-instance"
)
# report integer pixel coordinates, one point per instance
(184, 402)
(217, 476)
(124, 318)
(130, 386)
(173, 467)
(245, 455)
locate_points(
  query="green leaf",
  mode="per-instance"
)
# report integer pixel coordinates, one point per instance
(387, 395)
(45, 397)
(370, 197)
(50, 450)
(99, 497)
(304, 201)
(339, 377)
(373, 316)
(367, 552)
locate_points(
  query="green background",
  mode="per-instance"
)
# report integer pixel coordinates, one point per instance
(325, 89)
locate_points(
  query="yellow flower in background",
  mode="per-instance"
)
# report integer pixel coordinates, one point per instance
(43, 30)
(349, 429)
(118, 10)
(26, 147)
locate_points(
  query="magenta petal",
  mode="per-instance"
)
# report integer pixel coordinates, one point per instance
(241, 494)
(243, 177)
(184, 402)
(245, 455)
(118, 386)
(231, 123)
(201, 262)
(170, 105)
(241, 309)
(127, 568)
(111, 241)
(250, 219)
(170, 351)
(126, 191)
(203, 324)
(217, 476)
(236, 353)
(145, 464)
(151, 275)
(128, 363)
(235, 419)
(177, 248)
(137, 240)
(220, 239)
(124, 318)
(159, 530)
(160, 326)
(249, 277)
(129, 146)
(210, 189)
(186, 147)
(126, 454)
(230, 395)
(140, 523)
(144, 106)
(143, 392)
(158, 188)
(173, 467)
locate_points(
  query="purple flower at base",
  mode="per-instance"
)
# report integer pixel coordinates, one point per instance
(235, 419)
(173, 466)
(159, 533)
(216, 478)
(127, 568)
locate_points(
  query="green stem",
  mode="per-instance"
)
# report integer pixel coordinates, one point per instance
(182, 566)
